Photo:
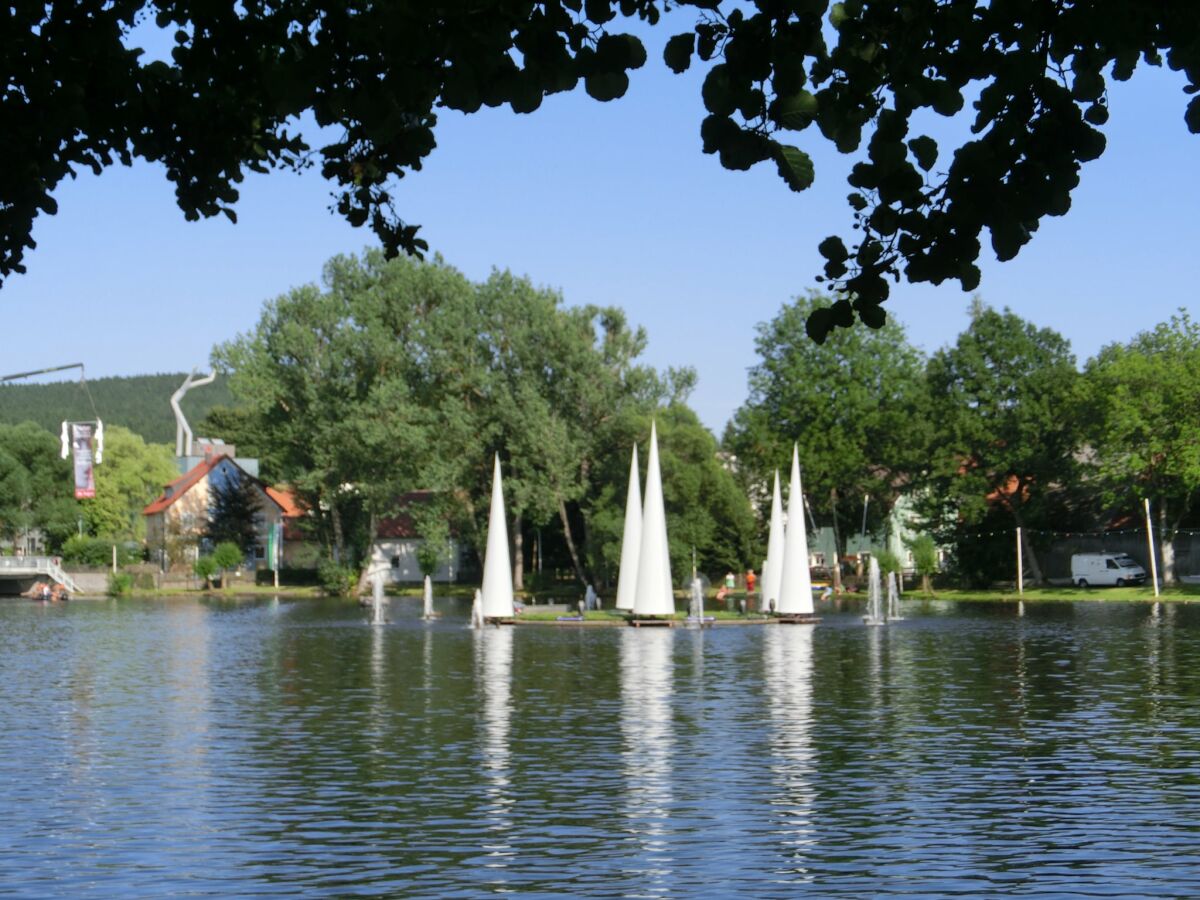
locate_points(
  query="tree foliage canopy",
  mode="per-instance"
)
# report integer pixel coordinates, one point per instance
(133, 474)
(233, 506)
(866, 73)
(1143, 403)
(36, 489)
(402, 375)
(1003, 399)
(856, 406)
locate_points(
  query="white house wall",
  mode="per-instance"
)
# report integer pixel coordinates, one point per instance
(406, 570)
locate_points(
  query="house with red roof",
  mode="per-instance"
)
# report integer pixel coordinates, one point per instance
(177, 520)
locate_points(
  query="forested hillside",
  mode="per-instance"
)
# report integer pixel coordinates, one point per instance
(141, 403)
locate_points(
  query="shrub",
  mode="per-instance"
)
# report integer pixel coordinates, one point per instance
(888, 562)
(288, 576)
(925, 559)
(120, 584)
(335, 579)
(228, 555)
(97, 552)
(205, 567)
(429, 557)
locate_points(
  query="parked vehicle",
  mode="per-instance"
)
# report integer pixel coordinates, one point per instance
(1105, 568)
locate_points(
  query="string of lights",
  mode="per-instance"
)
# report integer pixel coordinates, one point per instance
(1011, 532)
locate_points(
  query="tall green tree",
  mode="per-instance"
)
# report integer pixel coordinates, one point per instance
(707, 509)
(323, 376)
(402, 375)
(856, 406)
(132, 474)
(233, 505)
(1143, 402)
(36, 485)
(866, 73)
(1002, 400)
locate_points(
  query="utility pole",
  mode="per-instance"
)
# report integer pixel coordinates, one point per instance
(1150, 545)
(1020, 565)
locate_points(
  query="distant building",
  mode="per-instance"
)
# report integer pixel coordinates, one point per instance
(176, 522)
(394, 551)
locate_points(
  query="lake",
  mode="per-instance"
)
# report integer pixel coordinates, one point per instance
(245, 748)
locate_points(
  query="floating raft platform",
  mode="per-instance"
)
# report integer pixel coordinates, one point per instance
(652, 621)
(797, 619)
(499, 620)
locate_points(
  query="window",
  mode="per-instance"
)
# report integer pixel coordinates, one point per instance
(395, 562)
(1111, 563)
(260, 552)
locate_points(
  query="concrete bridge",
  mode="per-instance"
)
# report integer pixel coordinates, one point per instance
(18, 573)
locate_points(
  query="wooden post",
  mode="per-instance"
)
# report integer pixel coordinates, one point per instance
(1150, 545)
(114, 563)
(1020, 565)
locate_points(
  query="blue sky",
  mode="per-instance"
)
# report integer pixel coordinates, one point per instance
(610, 203)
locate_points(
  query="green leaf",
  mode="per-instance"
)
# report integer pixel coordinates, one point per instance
(678, 52)
(818, 324)
(718, 92)
(925, 150)
(716, 131)
(833, 249)
(1192, 116)
(871, 315)
(598, 11)
(795, 111)
(1096, 114)
(795, 166)
(606, 86)
(842, 314)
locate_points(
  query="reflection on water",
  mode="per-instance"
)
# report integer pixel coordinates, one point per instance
(788, 666)
(646, 689)
(494, 649)
(175, 748)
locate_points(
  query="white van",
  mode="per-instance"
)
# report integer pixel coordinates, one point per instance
(1105, 568)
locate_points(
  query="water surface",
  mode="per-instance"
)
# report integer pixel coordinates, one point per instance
(186, 748)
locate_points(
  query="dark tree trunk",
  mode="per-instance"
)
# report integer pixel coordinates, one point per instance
(570, 538)
(372, 530)
(1166, 540)
(339, 540)
(518, 540)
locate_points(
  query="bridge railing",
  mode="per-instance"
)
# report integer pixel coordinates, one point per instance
(37, 565)
(25, 563)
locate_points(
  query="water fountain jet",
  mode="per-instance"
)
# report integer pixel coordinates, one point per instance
(874, 614)
(377, 601)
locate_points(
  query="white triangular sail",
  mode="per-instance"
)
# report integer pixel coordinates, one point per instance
(631, 541)
(773, 568)
(497, 571)
(427, 599)
(653, 596)
(795, 582)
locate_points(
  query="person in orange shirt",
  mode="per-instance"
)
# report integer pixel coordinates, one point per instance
(750, 580)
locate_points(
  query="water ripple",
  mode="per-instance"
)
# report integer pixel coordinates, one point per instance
(247, 749)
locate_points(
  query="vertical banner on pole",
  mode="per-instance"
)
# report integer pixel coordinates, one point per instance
(81, 453)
